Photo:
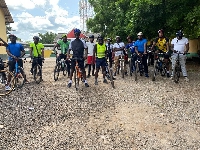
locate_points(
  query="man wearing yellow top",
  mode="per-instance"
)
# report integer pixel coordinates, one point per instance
(162, 46)
(36, 52)
(100, 54)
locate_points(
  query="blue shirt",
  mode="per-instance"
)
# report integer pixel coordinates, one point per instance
(131, 46)
(15, 49)
(140, 45)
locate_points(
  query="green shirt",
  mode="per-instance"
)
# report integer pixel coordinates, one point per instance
(37, 49)
(63, 46)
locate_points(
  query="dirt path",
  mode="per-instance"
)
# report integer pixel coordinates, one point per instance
(143, 115)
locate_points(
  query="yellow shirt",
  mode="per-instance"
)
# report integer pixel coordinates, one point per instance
(37, 49)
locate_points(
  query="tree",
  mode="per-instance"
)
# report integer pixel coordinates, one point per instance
(47, 38)
(128, 17)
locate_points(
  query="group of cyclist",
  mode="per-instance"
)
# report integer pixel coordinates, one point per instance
(98, 53)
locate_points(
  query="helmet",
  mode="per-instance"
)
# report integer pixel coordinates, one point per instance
(179, 33)
(76, 31)
(91, 36)
(117, 37)
(100, 37)
(140, 33)
(109, 39)
(12, 35)
(36, 38)
(64, 35)
(161, 30)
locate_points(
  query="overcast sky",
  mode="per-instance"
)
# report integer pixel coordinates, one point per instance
(33, 16)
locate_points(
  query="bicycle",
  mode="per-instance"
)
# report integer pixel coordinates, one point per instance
(159, 65)
(121, 65)
(77, 73)
(139, 68)
(109, 74)
(177, 67)
(60, 66)
(37, 69)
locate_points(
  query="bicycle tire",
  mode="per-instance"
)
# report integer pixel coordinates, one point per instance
(12, 83)
(176, 74)
(35, 73)
(122, 68)
(20, 74)
(56, 71)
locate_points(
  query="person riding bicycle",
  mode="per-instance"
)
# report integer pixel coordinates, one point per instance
(36, 52)
(15, 51)
(78, 47)
(100, 52)
(90, 58)
(64, 45)
(109, 46)
(180, 44)
(118, 48)
(141, 51)
(162, 46)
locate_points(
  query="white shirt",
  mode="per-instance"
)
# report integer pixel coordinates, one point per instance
(90, 48)
(179, 45)
(118, 45)
(111, 47)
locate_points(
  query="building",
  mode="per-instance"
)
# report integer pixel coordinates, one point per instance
(6, 19)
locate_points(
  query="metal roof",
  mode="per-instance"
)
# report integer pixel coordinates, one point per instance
(4, 8)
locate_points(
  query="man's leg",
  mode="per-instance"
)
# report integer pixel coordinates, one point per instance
(144, 61)
(183, 67)
(110, 59)
(116, 61)
(89, 70)
(166, 60)
(173, 63)
(82, 67)
(103, 65)
(97, 70)
(11, 65)
(73, 63)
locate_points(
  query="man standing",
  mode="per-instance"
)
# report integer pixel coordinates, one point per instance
(15, 51)
(118, 48)
(100, 53)
(162, 46)
(36, 52)
(77, 46)
(109, 46)
(180, 44)
(64, 45)
(90, 58)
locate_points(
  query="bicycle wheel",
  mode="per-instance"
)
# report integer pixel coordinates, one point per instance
(111, 77)
(3, 82)
(20, 78)
(136, 70)
(56, 71)
(37, 73)
(122, 68)
(176, 74)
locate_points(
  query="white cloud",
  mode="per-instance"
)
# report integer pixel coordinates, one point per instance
(55, 18)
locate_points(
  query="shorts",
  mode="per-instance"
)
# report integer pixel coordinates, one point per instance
(90, 60)
(80, 64)
(100, 62)
(11, 64)
(166, 55)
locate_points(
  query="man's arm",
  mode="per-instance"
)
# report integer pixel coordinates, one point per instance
(22, 50)
(145, 48)
(9, 54)
(4, 43)
(95, 50)
(42, 49)
(55, 46)
(187, 47)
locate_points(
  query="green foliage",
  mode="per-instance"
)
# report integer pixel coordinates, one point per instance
(47, 38)
(128, 17)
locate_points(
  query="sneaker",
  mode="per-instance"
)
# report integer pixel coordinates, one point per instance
(126, 73)
(88, 75)
(114, 78)
(172, 78)
(114, 74)
(146, 75)
(69, 85)
(186, 79)
(86, 85)
(96, 82)
(105, 81)
(31, 71)
(7, 88)
(168, 75)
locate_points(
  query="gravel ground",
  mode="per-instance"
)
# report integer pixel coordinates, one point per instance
(143, 115)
